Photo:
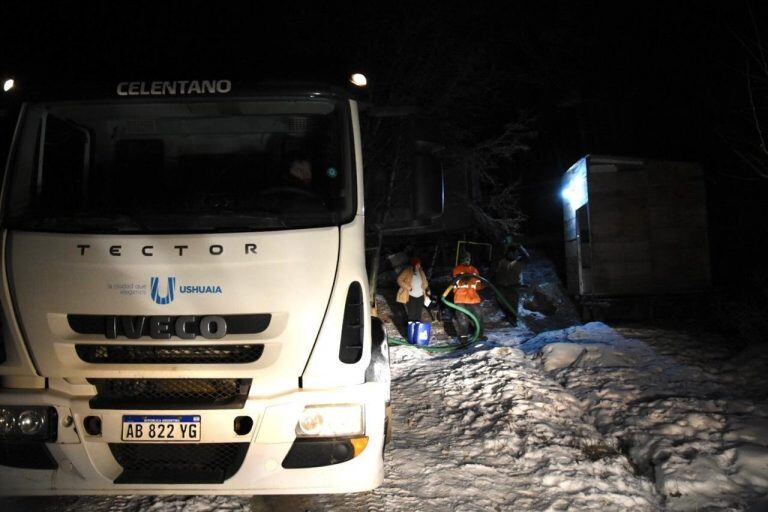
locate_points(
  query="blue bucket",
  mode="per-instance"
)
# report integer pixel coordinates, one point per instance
(419, 333)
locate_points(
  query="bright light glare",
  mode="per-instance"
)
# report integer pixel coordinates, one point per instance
(575, 188)
(359, 80)
(8, 85)
(574, 194)
(331, 420)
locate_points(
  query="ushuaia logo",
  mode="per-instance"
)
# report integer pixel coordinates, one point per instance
(199, 289)
(154, 290)
(171, 290)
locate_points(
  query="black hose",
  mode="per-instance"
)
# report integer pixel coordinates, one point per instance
(476, 321)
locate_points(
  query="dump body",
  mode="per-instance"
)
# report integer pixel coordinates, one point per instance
(635, 227)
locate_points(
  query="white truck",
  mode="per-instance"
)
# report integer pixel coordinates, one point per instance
(184, 294)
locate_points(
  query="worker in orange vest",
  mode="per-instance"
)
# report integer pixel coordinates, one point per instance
(465, 294)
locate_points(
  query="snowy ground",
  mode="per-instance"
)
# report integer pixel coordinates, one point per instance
(695, 425)
(487, 430)
(586, 417)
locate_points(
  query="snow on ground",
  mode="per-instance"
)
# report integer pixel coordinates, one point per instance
(486, 430)
(697, 427)
(581, 418)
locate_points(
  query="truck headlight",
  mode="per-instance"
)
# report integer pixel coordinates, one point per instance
(28, 423)
(331, 421)
(31, 422)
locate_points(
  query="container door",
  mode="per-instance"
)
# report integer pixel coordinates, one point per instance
(584, 250)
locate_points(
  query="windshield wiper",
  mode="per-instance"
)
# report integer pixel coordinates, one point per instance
(224, 220)
(141, 222)
(82, 221)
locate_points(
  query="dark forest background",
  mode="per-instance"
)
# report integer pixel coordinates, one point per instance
(518, 90)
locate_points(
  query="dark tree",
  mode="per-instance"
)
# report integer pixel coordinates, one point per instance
(445, 70)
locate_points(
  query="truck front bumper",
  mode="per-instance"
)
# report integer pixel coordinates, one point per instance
(86, 464)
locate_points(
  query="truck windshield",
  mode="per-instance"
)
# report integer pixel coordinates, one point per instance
(181, 166)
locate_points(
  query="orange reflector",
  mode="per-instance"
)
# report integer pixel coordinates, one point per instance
(359, 444)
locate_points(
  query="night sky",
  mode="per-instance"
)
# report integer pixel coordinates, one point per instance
(648, 79)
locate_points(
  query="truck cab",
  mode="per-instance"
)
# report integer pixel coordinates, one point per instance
(184, 294)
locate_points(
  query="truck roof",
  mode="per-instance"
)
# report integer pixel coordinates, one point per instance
(190, 88)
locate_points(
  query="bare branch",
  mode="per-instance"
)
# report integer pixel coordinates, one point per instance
(758, 39)
(758, 128)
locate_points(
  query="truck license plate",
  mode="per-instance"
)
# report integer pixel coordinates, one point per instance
(161, 428)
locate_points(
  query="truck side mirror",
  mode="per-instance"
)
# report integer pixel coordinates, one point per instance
(428, 193)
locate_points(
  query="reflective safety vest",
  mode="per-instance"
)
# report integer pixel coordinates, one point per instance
(465, 292)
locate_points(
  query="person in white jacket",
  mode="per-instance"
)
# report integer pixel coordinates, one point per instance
(414, 288)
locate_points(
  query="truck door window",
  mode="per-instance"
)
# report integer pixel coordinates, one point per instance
(63, 162)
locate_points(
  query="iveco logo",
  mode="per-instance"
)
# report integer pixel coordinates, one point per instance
(188, 327)
(154, 290)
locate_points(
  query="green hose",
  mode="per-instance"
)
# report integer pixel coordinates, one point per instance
(476, 321)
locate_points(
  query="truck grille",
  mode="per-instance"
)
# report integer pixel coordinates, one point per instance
(170, 393)
(183, 463)
(169, 354)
